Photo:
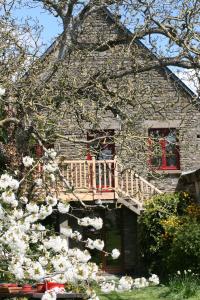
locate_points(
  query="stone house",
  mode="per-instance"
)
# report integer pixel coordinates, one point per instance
(111, 167)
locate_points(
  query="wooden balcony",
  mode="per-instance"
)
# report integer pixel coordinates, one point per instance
(107, 180)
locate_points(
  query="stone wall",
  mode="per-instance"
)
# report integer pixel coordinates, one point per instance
(156, 100)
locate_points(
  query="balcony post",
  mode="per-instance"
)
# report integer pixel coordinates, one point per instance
(94, 174)
(115, 174)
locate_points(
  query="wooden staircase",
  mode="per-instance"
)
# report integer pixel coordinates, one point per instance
(90, 180)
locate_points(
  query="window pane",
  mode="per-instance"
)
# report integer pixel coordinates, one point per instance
(164, 148)
(171, 149)
(156, 148)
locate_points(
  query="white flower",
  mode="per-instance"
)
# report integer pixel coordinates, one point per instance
(97, 223)
(38, 227)
(1, 212)
(38, 182)
(90, 244)
(51, 167)
(140, 283)
(82, 256)
(52, 177)
(8, 197)
(43, 261)
(51, 200)
(7, 181)
(32, 207)
(63, 208)
(107, 287)
(14, 184)
(45, 211)
(98, 244)
(178, 272)
(61, 263)
(67, 231)
(125, 283)
(23, 200)
(36, 271)
(49, 295)
(115, 253)
(27, 161)
(51, 153)
(56, 243)
(2, 91)
(154, 279)
(76, 235)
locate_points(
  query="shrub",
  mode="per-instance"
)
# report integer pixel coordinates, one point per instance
(163, 224)
(185, 251)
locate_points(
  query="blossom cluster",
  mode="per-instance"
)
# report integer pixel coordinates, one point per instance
(34, 252)
(127, 283)
(97, 223)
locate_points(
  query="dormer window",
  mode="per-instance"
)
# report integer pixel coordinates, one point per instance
(164, 149)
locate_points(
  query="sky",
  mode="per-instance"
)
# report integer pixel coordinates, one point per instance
(51, 25)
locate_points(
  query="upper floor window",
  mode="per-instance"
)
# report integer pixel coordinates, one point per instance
(164, 149)
(102, 145)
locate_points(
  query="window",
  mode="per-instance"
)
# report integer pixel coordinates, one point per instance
(164, 149)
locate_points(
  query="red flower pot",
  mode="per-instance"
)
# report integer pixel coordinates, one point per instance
(26, 288)
(40, 287)
(52, 285)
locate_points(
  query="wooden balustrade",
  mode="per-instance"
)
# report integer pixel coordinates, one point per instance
(100, 176)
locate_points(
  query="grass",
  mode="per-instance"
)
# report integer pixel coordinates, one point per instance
(150, 293)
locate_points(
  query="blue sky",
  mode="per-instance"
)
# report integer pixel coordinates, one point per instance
(51, 26)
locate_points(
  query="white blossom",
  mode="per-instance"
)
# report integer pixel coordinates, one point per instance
(2, 214)
(39, 182)
(63, 208)
(97, 223)
(52, 177)
(27, 161)
(99, 244)
(76, 235)
(23, 199)
(107, 287)
(51, 200)
(8, 197)
(60, 263)
(49, 295)
(154, 279)
(6, 181)
(125, 283)
(115, 253)
(66, 231)
(2, 91)
(51, 153)
(51, 167)
(36, 271)
(45, 211)
(32, 207)
(140, 283)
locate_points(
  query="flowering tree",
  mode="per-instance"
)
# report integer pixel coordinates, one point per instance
(35, 94)
(31, 252)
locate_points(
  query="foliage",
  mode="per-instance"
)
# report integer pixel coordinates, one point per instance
(170, 233)
(184, 250)
(183, 285)
(150, 293)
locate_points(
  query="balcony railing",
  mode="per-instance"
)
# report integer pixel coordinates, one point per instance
(105, 179)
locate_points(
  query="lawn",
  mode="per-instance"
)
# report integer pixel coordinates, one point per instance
(150, 293)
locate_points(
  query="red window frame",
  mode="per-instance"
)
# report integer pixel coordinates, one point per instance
(162, 142)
